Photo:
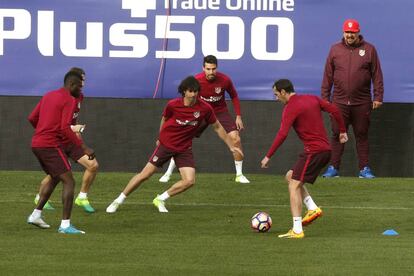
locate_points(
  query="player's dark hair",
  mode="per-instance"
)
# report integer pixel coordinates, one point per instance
(70, 76)
(189, 83)
(284, 84)
(78, 70)
(210, 59)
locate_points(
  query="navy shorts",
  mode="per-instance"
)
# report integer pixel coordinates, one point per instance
(163, 154)
(54, 161)
(309, 165)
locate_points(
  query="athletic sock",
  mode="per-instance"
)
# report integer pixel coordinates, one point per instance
(121, 198)
(83, 195)
(171, 167)
(239, 167)
(164, 196)
(297, 225)
(310, 204)
(65, 223)
(36, 214)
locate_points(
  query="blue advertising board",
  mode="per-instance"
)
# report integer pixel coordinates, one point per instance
(143, 48)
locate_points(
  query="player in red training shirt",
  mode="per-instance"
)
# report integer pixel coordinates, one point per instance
(76, 154)
(180, 123)
(303, 112)
(213, 87)
(52, 120)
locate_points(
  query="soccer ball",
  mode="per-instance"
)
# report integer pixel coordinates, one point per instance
(261, 222)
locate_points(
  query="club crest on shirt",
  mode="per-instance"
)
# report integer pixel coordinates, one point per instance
(217, 90)
(362, 52)
(196, 114)
(155, 158)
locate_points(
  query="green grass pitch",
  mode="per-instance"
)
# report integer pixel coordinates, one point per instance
(207, 231)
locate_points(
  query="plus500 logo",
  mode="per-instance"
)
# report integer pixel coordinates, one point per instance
(120, 35)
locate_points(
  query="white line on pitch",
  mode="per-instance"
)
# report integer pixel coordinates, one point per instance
(241, 205)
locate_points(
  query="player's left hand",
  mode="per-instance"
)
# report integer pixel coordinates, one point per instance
(239, 123)
(376, 104)
(265, 162)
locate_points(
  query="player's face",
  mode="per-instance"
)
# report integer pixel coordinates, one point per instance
(280, 96)
(351, 38)
(190, 96)
(76, 88)
(210, 70)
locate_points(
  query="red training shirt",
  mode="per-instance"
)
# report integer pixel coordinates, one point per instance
(303, 112)
(212, 92)
(182, 123)
(52, 118)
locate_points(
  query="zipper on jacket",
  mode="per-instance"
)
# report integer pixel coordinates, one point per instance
(349, 76)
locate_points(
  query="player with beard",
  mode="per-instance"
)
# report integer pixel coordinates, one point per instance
(214, 84)
(351, 68)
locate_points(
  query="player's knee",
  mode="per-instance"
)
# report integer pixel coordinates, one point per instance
(236, 140)
(69, 183)
(92, 166)
(189, 182)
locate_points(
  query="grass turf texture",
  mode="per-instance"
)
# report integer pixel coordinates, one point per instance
(207, 231)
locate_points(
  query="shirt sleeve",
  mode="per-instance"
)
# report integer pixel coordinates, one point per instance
(210, 116)
(65, 123)
(288, 117)
(335, 112)
(167, 113)
(234, 97)
(34, 116)
(236, 105)
(377, 78)
(327, 81)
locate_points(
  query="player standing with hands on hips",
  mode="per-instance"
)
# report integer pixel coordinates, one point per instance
(213, 87)
(352, 65)
(303, 113)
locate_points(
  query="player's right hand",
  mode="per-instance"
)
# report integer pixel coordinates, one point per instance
(343, 137)
(265, 162)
